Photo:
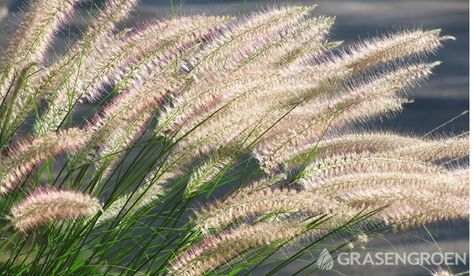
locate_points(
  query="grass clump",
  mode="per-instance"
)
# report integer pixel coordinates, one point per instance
(249, 110)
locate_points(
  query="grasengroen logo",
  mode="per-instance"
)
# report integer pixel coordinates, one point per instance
(326, 262)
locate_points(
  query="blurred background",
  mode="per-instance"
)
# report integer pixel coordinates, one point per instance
(442, 98)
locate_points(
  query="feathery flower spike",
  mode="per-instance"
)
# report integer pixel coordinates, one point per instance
(21, 160)
(51, 205)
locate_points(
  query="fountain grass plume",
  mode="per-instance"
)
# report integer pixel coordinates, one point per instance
(215, 250)
(33, 37)
(423, 149)
(65, 75)
(407, 206)
(51, 205)
(319, 170)
(23, 158)
(362, 101)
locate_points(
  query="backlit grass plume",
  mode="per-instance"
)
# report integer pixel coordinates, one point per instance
(134, 131)
(49, 204)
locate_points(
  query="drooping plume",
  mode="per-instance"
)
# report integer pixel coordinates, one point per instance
(21, 160)
(64, 76)
(51, 205)
(33, 38)
(364, 101)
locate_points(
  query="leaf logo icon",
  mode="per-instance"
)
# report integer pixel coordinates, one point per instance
(325, 260)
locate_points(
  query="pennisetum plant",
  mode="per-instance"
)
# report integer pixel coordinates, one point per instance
(253, 111)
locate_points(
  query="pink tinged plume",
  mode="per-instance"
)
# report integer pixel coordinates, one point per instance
(51, 205)
(226, 54)
(33, 37)
(64, 78)
(138, 49)
(361, 102)
(27, 155)
(153, 70)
